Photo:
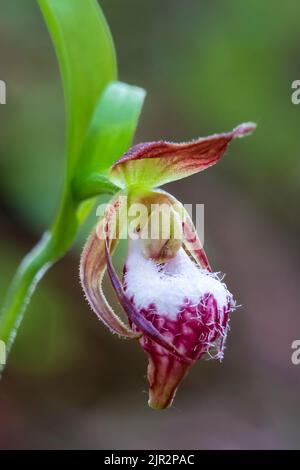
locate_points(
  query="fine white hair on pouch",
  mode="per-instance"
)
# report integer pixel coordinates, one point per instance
(168, 286)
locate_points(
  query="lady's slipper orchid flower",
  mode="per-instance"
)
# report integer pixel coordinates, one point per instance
(176, 307)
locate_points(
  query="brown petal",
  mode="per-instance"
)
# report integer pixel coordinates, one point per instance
(153, 164)
(92, 269)
(191, 239)
(193, 244)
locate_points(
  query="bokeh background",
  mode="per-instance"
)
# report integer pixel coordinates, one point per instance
(207, 66)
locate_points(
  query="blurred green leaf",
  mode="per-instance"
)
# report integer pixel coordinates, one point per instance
(87, 61)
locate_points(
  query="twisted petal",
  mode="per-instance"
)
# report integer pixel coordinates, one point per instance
(152, 164)
(191, 240)
(93, 265)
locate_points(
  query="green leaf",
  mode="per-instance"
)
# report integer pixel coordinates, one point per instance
(108, 137)
(86, 56)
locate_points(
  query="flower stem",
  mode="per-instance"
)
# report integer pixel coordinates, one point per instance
(49, 249)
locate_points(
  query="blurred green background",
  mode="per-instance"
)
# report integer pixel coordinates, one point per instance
(207, 66)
